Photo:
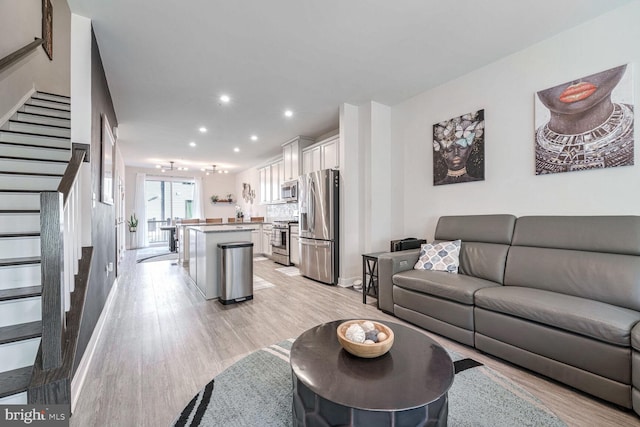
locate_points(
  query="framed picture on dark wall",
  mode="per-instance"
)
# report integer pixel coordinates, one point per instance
(47, 27)
(106, 172)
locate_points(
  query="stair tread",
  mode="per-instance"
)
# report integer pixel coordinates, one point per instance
(19, 261)
(15, 381)
(20, 332)
(25, 192)
(44, 106)
(36, 97)
(33, 159)
(22, 234)
(17, 132)
(17, 211)
(43, 115)
(38, 124)
(18, 293)
(53, 94)
(59, 175)
(26, 144)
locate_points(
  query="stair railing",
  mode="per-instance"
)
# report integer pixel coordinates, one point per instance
(60, 253)
(13, 57)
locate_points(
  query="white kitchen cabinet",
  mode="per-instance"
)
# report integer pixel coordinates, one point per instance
(256, 239)
(322, 155)
(265, 185)
(294, 249)
(311, 159)
(266, 239)
(291, 156)
(330, 153)
(277, 178)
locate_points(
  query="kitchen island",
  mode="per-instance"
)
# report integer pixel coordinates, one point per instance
(204, 260)
(183, 236)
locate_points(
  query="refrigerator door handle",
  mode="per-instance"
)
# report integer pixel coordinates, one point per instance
(312, 204)
(321, 244)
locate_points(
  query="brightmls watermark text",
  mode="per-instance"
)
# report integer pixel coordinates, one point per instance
(34, 415)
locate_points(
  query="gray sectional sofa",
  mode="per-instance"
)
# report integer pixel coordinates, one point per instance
(557, 295)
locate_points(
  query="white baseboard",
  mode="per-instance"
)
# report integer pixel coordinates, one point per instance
(346, 282)
(81, 373)
(16, 107)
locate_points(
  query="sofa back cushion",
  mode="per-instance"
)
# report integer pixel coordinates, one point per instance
(485, 242)
(591, 257)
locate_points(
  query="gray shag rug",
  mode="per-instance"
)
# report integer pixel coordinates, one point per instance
(256, 391)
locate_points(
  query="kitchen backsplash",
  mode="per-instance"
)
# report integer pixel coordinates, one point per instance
(282, 211)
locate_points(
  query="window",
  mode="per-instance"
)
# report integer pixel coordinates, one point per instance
(167, 200)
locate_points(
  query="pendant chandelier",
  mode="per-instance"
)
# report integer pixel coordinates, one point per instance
(214, 169)
(170, 167)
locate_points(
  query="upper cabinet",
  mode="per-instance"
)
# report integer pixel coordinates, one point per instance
(322, 155)
(271, 177)
(291, 156)
(265, 184)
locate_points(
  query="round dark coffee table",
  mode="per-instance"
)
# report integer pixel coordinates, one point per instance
(405, 387)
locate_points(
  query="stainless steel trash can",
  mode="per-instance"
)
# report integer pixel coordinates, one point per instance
(235, 272)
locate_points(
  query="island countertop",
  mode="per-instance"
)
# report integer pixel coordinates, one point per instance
(223, 228)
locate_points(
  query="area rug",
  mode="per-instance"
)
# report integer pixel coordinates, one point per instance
(256, 391)
(155, 253)
(260, 283)
(260, 258)
(164, 257)
(289, 271)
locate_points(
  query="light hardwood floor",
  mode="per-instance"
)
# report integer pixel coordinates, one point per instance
(163, 342)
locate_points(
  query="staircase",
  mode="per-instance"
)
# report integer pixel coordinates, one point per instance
(35, 148)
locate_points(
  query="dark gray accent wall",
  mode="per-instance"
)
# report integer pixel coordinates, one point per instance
(102, 215)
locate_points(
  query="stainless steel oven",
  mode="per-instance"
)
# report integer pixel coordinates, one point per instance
(280, 243)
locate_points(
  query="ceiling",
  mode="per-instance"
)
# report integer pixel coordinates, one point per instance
(167, 63)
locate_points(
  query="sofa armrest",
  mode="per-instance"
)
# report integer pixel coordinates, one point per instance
(388, 265)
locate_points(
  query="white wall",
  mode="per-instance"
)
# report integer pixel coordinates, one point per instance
(251, 177)
(505, 89)
(220, 184)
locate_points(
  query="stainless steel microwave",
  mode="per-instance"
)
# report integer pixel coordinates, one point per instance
(289, 191)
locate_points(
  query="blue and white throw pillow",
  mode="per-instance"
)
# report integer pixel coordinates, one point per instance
(443, 256)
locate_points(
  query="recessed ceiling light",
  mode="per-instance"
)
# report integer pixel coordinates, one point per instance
(226, 171)
(225, 98)
(192, 144)
(288, 113)
(203, 129)
(254, 137)
(237, 150)
(158, 166)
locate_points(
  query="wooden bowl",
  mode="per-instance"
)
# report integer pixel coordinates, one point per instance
(368, 351)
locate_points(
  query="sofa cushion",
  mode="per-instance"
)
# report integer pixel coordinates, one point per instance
(601, 321)
(476, 228)
(443, 256)
(483, 260)
(608, 278)
(611, 234)
(454, 287)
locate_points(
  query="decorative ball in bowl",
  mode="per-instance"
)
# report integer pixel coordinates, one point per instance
(365, 338)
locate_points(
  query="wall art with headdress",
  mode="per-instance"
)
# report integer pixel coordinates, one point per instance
(585, 123)
(458, 149)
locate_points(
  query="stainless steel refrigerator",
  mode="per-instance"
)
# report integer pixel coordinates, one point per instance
(318, 208)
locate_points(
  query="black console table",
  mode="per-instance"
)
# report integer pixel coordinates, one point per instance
(370, 275)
